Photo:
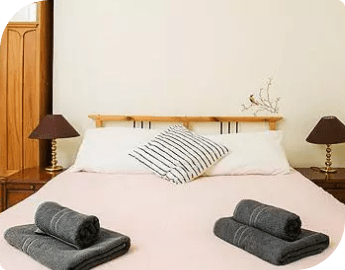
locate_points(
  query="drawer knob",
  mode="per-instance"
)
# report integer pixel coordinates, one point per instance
(32, 187)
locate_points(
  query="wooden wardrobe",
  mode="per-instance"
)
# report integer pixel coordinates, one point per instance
(25, 90)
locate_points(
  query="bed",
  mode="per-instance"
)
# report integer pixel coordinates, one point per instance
(171, 226)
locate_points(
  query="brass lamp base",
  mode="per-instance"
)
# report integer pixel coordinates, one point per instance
(328, 170)
(53, 168)
(328, 163)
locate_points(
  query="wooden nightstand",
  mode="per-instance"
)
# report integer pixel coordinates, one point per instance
(333, 183)
(21, 185)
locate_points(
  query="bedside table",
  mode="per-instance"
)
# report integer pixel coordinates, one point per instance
(333, 183)
(21, 185)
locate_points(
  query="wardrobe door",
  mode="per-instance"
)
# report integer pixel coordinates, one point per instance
(25, 90)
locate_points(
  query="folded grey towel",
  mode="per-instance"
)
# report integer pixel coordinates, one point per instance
(57, 255)
(69, 226)
(276, 221)
(268, 247)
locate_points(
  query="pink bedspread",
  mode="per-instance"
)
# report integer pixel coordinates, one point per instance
(171, 226)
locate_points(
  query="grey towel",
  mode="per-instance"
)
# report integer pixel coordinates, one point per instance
(267, 246)
(69, 226)
(57, 255)
(276, 221)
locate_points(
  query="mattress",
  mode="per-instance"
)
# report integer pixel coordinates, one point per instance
(171, 227)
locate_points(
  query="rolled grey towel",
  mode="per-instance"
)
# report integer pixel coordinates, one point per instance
(276, 221)
(268, 247)
(57, 255)
(69, 226)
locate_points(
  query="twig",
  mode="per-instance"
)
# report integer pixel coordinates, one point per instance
(263, 103)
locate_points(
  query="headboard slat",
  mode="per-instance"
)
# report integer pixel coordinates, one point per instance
(186, 120)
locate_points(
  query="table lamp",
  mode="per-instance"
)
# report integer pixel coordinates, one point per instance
(329, 130)
(52, 127)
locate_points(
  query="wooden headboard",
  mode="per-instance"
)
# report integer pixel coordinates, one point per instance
(186, 120)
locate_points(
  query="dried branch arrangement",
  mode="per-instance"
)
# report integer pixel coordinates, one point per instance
(263, 102)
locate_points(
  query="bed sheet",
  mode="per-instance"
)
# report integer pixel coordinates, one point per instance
(171, 227)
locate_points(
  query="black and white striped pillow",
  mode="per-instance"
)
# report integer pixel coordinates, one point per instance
(179, 155)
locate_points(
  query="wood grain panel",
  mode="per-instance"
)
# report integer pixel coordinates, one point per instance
(3, 104)
(31, 100)
(14, 99)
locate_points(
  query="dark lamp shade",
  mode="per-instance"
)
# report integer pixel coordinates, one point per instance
(53, 126)
(329, 130)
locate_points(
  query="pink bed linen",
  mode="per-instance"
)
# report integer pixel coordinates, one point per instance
(171, 227)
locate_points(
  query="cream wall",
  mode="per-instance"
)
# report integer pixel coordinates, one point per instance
(201, 57)
(26, 14)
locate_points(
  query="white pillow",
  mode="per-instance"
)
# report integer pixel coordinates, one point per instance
(105, 150)
(251, 153)
(179, 155)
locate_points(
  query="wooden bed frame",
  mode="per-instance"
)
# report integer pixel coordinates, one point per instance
(186, 120)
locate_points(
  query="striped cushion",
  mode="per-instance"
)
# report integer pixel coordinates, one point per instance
(179, 155)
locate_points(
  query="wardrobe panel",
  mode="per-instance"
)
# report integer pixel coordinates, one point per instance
(31, 99)
(3, 104)
(14, 99)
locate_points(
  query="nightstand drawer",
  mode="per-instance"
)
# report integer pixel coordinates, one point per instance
(15, 196)
(325, 185)
(340, 185)
(24, 187)
(338, 193)
(18, 192)
(330, 184)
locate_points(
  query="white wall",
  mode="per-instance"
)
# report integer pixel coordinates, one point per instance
(26, 14)
(201, 57)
